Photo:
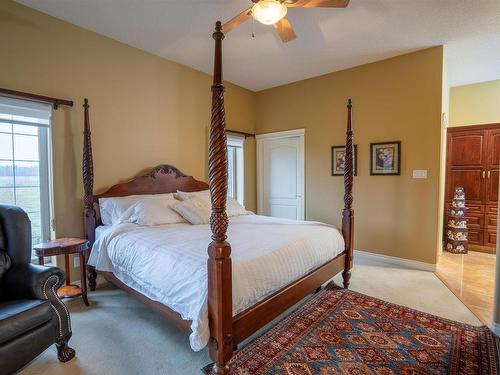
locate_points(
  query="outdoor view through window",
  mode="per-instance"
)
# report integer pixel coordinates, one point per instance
(24, 161)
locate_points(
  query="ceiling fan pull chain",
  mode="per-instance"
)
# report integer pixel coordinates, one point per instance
(253, 27)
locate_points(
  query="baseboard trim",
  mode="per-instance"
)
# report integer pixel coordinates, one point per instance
(415, 264)
(495, 327)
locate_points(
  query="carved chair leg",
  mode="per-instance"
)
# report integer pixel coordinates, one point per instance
(64, 352)
(62, 318)
(91, 276)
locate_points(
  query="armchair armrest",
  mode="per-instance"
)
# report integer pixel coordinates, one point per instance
(30, 281)
(25, 281)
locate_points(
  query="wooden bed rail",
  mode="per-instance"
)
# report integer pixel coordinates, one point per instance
(220, 305)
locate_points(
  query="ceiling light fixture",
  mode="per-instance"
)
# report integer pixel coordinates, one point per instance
(268, 12)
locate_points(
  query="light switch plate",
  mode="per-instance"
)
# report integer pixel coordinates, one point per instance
(420, 173)
(76, 262)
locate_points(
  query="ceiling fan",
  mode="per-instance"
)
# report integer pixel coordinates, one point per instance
(273, 12)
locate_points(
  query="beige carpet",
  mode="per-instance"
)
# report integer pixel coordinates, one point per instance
(118, 336)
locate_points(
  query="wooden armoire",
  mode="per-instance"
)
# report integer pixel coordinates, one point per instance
(472, 161)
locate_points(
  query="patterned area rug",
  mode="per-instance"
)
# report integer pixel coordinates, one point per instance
(343, 332)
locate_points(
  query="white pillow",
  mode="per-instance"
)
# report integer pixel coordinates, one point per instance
(195, 209)
(152, 212)
(112, 209)
(233, 207)
(183, 195)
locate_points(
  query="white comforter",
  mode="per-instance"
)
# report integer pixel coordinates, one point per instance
(168, 263)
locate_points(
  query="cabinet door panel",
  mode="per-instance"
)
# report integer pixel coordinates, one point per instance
(493, 159)
(493, 150)
(475, 236)
(491, 210)
(465, 164)
(474, 209)
(492, 186)
(471, 180)
(490, 220)
(490, 237)
(466, 149)
(475, 220)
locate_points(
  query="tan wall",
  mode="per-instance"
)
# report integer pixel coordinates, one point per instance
(395, 99)
(145, 110)
(475, 104)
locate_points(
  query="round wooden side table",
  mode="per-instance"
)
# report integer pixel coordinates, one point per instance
(67, 246)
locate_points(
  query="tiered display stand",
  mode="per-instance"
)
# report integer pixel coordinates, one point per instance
(456, 231)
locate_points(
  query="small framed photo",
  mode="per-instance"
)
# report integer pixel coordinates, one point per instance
(338, 160)
(385, 158)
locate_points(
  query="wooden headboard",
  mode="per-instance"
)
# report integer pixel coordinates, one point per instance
(160, 180)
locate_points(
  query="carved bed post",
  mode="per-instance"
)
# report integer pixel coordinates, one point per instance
(89, 213)
(220, 305)
(348, 212)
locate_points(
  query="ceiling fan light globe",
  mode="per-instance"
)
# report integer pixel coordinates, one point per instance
(268, 12)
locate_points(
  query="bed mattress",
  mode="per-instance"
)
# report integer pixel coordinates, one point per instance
(168, 263)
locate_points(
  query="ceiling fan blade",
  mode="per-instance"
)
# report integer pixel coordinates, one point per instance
(317, 3)
(284, 29)
(238, 20)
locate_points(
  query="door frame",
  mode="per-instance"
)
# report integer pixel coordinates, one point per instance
(260, 138)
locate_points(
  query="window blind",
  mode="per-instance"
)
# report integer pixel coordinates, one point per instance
(24, 112)
(235, 140)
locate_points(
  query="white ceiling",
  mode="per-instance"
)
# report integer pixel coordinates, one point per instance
(327, 39)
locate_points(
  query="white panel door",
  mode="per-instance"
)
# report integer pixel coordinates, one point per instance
(282, 177)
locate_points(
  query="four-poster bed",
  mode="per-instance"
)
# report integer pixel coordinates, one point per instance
(226, 330)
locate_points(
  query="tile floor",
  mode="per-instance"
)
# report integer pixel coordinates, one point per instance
(471, 277)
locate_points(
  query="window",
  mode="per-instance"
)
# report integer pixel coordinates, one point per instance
(235, 167)
(25, 161)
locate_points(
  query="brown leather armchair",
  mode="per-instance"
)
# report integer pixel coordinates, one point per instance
(32, 317)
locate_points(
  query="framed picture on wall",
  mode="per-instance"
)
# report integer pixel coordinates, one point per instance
(385, 158)
(338, 160)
